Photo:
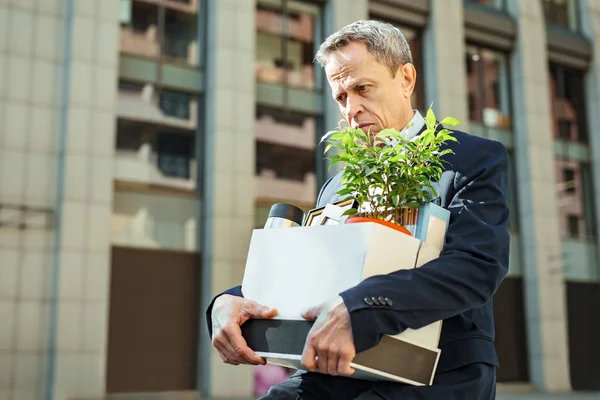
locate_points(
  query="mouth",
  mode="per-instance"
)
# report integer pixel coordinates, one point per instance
(363, 126)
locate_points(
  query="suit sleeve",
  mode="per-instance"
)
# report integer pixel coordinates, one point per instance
(234, 291)
(237, 290)
(468, 271)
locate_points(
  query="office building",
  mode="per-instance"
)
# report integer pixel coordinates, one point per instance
(141, 141)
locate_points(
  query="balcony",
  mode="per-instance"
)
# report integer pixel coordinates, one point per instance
(143, 167)
(299, 28)
(142, 103)
(146, 156)
(149, 220)
(302, 79)
(302, 136)
(184, 6)
(140, 31)
(271, 68)
(301, 193)
(140, 43)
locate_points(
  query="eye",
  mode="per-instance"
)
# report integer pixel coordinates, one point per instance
(340, 98)
(362, 88)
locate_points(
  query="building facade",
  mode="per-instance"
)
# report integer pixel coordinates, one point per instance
(141, 141)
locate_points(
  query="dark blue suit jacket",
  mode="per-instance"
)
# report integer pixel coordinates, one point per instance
(458, 286)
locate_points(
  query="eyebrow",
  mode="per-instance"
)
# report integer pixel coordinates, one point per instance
(354, 83)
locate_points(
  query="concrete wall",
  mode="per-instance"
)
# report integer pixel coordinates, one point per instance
(47, 90)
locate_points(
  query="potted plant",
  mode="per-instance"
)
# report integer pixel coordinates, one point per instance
(387, 174)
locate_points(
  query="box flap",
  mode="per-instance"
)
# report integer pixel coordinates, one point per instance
(389, 250)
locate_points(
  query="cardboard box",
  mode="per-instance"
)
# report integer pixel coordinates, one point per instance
(293, 269)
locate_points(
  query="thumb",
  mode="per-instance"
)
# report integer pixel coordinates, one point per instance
(253, 309)
(312, 313)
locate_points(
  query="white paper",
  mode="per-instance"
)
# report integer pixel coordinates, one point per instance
(292, 270)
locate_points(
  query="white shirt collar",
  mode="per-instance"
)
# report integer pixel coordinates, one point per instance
(414, 126)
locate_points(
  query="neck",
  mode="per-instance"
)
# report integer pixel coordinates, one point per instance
(404, 122)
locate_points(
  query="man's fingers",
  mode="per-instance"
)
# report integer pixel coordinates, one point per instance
(243, 351)
(254, 310)
(312, 313)
(333, 358)
(344, 361)
(226, 355)
(232, 345)
(322, 357)
(308, 357)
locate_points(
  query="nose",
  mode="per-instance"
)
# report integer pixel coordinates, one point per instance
(353, 107)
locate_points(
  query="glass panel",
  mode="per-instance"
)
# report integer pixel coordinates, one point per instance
(558, 12)
(180, 38)
(575, 199)
(174, 154)
(567, 91)
(483, 2)
(589, 210)
(513, 200)
(488, 87)
(489, 3)
(175, 104)
(285, 43)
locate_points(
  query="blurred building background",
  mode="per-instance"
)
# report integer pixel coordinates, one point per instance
(141, 141)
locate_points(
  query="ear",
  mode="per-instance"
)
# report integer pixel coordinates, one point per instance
(409, 79)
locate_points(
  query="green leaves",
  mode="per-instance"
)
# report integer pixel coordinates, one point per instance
(387, 171)
(450, 121)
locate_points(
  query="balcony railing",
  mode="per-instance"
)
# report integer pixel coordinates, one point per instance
(300, 28)
(139, 43)
(269, 130)
(303, 79)
(154, 221)
(142, 166)
(269, 186)
(143, 106)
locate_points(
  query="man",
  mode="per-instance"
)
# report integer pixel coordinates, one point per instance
(369, 68)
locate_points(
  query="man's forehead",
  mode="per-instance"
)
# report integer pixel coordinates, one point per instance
(339, 70)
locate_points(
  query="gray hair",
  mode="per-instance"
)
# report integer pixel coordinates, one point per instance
(385, 43)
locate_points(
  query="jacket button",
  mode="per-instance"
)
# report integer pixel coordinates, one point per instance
(375, 300)
(389, 301)
(368, 301)
(382, 300)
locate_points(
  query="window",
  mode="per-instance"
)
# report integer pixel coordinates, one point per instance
(569, 180)
(175, 104)
(561, 13)
(513, 200)
(488, 87)
(285, 46)
(568, 103)
(149, 29)
(573, 226)
(488, 3)
(174, 154)
(576, 199)
(180, 36)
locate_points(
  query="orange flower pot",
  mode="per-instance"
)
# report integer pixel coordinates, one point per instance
(356, 220)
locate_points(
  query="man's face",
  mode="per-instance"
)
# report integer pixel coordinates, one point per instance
(368, 95)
